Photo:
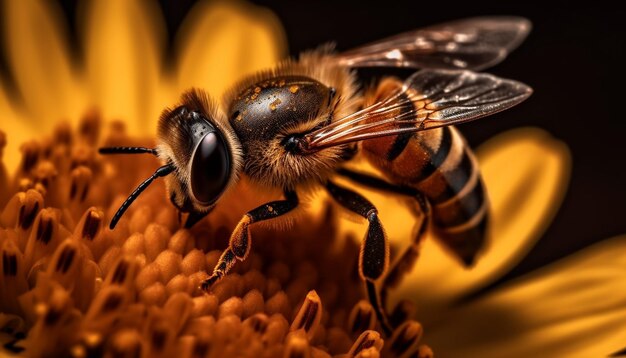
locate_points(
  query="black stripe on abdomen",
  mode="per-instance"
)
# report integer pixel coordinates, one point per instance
(437, 157)
(455, 179)
(399, 144)
(401, 140)
(460, 209)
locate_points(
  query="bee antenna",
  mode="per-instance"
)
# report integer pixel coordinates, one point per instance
(127, 150)
(161, 172)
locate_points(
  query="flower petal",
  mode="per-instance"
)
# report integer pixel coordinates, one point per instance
(220, 41)
(526, 172)
(17, 129)
(36, 47)
(572, 308)
(124, 42)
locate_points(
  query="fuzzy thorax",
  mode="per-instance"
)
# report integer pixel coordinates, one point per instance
(292, 99)
(271, 164)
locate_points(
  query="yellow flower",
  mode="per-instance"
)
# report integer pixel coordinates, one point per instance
(569, 309)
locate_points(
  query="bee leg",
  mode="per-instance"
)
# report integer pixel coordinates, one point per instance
(405, 262)
(374, 256)
(377, 183)
(239, 245)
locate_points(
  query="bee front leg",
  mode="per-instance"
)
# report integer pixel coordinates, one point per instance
(374, 256)
(239, 245)
(194, 217)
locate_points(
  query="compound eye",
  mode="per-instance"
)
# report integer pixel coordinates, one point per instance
(210, 168)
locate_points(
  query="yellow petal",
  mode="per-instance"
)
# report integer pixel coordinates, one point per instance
(573, 308)
(221, 41)
(37, 53)
(124, 42)
(17, 129)
(526, 172)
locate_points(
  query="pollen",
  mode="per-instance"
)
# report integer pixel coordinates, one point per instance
(294, 89)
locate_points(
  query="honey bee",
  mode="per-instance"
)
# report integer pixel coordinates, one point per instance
(298, 124)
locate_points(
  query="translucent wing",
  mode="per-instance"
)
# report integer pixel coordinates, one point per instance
(474, 43)
(428, 99)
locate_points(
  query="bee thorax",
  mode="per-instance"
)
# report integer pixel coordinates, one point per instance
(265, 108)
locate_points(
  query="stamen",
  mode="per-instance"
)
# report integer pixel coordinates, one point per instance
(309, 315)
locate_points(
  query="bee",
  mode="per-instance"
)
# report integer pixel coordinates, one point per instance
(299, 124)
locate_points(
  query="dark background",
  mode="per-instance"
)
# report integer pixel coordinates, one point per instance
(574, 59)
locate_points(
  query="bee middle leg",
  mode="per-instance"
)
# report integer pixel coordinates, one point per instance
(403, 264)
(239, 245)
(374, 255)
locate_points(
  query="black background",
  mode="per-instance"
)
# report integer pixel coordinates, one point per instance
(574, 59)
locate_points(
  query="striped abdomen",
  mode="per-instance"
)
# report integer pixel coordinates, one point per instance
(439, 164)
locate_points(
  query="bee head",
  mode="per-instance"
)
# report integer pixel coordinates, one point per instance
(197, 146)
(197, 139)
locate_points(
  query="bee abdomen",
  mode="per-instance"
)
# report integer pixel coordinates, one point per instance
(439, 164)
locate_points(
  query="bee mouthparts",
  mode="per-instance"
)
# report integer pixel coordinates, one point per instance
(297, 144)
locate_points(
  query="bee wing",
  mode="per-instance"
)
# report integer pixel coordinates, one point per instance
(474, 43)
(428, 99)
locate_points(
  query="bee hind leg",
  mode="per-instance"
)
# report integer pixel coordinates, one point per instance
(239, 245)
(374, 255)
(405, 262)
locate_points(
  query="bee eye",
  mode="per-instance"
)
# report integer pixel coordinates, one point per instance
(210, 168)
